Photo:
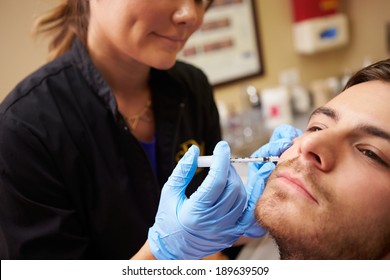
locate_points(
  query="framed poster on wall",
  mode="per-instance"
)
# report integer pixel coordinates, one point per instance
(226, 47)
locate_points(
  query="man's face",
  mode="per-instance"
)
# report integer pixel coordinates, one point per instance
(329, 196)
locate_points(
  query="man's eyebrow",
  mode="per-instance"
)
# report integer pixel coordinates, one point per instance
(365, 128)
(325, 111)
(374, 131)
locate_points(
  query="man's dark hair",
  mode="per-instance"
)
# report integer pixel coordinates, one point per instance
(379, 71)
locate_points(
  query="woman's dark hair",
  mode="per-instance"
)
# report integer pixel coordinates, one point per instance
(377, 71)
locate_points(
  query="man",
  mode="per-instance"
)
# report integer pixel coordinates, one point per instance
(329, 196)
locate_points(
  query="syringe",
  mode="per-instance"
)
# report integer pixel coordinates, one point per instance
(205, 161)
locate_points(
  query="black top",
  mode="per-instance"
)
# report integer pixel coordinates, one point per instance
(74, 182)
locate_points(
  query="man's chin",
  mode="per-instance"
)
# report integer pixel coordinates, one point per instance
(264, 212)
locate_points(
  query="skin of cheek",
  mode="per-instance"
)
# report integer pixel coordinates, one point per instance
(291, 152)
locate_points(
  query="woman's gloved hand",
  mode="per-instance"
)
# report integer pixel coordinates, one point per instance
(212, 219)
(258, 172)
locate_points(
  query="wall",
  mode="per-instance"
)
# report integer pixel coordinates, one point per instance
(367, 21)
(20, 54)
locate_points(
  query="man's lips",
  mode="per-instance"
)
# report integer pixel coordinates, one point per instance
(296, 184)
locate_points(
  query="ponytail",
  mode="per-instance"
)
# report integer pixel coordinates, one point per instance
(63, 23)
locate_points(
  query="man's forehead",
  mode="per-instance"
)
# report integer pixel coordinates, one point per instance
(373, 95)
(363, 104)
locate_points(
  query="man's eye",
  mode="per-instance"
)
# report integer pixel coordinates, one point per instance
(373, 156)
(313, 128)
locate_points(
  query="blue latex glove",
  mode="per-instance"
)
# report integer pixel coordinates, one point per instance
(212, 219)
(258, 172)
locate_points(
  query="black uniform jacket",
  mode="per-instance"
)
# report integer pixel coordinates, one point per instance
(74, 182)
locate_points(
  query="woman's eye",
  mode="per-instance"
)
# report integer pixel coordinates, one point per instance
(374, 157)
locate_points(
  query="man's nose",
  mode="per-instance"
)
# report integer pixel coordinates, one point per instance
(319, 148)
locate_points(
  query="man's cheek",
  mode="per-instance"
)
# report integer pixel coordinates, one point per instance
(292, 151)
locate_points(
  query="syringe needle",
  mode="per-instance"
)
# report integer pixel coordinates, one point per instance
(205, 161)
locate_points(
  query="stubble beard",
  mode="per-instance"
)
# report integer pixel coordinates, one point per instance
(328, 234)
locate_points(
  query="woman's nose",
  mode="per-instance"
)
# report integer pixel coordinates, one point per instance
(188, 13)
(319, 148)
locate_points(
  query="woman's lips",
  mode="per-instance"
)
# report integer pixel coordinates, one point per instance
(295, 184)
(172, 40)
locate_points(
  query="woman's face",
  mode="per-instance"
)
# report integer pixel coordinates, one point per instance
(150, 32)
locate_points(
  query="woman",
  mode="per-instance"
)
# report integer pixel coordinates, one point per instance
(88, 140)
